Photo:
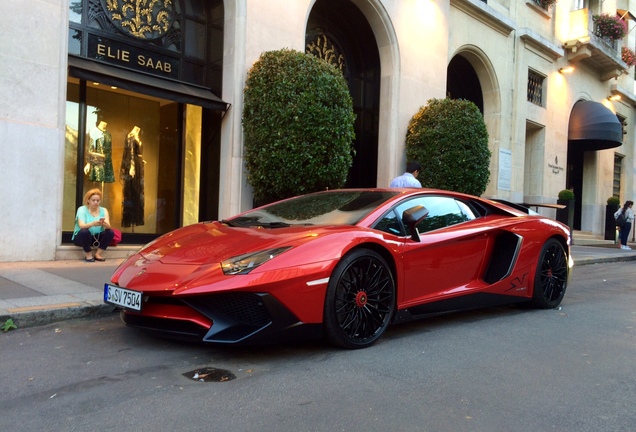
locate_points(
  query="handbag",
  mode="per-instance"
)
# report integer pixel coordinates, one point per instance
(116, 238)
(621, 220)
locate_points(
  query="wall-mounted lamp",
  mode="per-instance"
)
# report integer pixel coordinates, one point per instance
(565, 70)
(614, 97)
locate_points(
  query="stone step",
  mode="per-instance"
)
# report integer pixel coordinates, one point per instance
(586, 234)
(586, 238)
(71, 252)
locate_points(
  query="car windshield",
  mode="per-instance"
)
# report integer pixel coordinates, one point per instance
(346, 207)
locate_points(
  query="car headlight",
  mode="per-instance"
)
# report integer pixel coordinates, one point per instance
(244, 264)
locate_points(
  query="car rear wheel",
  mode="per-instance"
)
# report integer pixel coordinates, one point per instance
(360, 300)
(551, 278)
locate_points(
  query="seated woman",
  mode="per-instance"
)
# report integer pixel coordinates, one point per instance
(92, 227)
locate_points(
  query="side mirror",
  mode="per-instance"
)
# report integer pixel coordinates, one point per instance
(413, 216)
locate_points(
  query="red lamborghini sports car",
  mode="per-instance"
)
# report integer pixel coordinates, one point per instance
(343, 264)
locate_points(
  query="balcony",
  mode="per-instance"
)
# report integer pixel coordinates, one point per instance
(585, 46)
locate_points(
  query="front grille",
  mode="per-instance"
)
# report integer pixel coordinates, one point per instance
(241, 308)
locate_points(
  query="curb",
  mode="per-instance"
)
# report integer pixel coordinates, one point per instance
(52, 314)
(586, 261)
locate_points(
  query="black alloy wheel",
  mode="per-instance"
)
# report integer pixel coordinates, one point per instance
(360, 300)
(551, 278)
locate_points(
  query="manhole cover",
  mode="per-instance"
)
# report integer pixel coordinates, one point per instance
(209, 374)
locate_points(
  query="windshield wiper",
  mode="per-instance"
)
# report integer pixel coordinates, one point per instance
(272, 224)
(230, 223)
(253, 223)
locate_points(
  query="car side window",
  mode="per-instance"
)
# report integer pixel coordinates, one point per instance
(442, 212)
(390, 223)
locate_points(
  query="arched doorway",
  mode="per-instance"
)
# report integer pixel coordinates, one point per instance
(471, 76)
(463, 83)
(338, 32)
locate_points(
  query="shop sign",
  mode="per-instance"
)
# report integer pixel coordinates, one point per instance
(131, 57)
(555, 167)
(505, 169)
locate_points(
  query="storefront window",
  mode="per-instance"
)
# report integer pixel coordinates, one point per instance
(74, 42)
(75, 11)
(140, 141)
(130, 150)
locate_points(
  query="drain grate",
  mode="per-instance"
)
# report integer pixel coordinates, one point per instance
(210, 374)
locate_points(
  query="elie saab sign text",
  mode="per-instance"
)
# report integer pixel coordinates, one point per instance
(120, 54)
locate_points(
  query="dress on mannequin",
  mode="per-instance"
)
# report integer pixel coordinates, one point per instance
(132, 176)
(100, 160)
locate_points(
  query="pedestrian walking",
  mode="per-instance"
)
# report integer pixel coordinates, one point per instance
(409, 178)
(624, 220)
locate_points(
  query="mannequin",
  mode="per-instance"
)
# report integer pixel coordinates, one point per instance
(99, 167)
(131, 175)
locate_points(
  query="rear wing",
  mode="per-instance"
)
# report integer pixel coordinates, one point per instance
(527, 207)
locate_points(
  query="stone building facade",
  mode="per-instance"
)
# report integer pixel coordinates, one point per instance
(67, 66)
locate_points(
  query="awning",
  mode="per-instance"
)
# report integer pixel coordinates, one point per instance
(593, 127)
(144, 83)
(625, 14)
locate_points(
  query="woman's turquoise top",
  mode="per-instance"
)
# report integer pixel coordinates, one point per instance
(87, 217)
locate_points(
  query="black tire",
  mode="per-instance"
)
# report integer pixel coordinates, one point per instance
(360, 300)
(551, 277)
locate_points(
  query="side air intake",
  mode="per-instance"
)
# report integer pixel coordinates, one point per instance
(503, 257)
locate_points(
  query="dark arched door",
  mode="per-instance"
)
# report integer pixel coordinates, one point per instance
(338, 32)
(463, 83)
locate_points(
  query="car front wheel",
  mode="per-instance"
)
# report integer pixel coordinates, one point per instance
(360, 300)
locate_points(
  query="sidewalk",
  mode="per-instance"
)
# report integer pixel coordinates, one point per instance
(38, 293)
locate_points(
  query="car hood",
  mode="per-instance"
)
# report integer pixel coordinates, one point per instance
(213, 242)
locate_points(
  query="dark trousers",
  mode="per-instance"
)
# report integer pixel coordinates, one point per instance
(86, 240)
(625, 229)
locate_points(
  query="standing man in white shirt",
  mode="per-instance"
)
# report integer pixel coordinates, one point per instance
(409, 178)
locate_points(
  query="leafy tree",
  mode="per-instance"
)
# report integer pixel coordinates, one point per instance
(298, 124)
(448, 137)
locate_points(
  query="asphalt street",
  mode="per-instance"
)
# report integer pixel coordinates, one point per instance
(568, 369)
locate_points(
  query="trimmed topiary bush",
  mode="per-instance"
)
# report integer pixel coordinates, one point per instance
(298, 123)
(613, 201)
(566, 195)
(448, 137)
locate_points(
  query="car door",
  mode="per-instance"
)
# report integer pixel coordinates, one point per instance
(449, 258)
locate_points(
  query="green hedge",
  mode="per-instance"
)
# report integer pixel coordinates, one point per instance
(448, 137)
(298, 123)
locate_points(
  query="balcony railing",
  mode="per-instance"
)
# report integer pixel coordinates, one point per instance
(610, 43)
(540, 3)
(587, 46)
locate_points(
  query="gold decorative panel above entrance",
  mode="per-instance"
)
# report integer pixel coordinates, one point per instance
(323, 47)
(142, 19)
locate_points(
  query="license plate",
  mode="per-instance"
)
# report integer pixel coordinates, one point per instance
(122, 297)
